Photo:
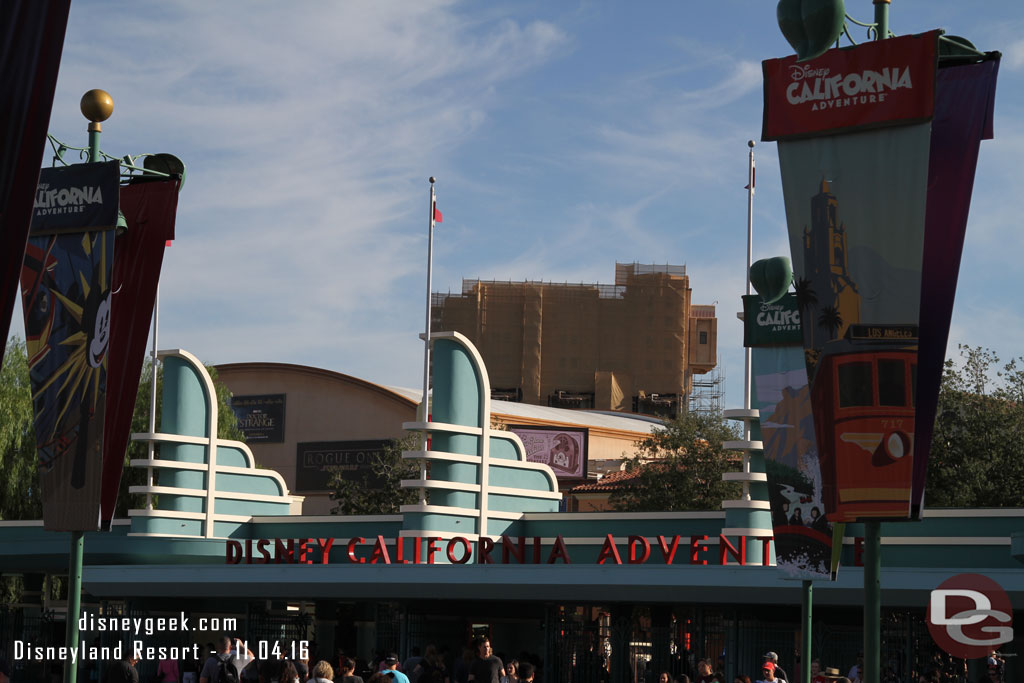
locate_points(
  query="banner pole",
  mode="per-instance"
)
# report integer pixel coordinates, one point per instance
(806, 608)
(873, 529)
(872, 601)
(882, 19)
(750, 256)
(74, 603)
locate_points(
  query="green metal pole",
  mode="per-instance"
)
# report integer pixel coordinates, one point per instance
(882, 18)
(806, 608)
(95, 113)
(94, 142)
(872, 601)
(74, 603)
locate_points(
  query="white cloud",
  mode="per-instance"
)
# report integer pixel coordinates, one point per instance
(308, 133)
(1014, 54)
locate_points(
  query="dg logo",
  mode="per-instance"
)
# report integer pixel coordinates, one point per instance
(969, 616)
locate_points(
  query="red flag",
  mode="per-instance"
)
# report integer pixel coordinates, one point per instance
(437, 213)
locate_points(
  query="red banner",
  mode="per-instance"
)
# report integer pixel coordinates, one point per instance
(149, 209)
(879, 83)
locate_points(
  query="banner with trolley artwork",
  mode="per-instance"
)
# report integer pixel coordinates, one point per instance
(861, 206)
(66, 297)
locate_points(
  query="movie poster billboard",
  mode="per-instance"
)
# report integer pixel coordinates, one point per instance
(260, 418)
(562, 449)
(317, 461)
(856, 139)
(66, 297)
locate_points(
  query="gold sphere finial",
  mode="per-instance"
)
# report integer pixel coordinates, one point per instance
(97, 105)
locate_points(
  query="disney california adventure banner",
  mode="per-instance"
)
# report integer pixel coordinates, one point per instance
(863, 136)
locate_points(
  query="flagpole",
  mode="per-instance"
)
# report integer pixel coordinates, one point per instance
(426, 338)
(750, 255)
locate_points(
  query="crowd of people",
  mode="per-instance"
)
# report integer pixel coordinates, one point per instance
(231, 662)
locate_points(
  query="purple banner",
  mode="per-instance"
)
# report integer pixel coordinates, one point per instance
(563, 450)
(32, 36)
(965, 99)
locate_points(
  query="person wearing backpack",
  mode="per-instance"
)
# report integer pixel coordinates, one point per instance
(225, 666)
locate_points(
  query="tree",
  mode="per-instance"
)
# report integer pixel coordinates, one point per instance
(377, 490)
(806, 300)
(680, 467)
(831, 320)
(977, 457)
(19, 487)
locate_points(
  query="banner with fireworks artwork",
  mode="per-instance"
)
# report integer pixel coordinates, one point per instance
(66, 298)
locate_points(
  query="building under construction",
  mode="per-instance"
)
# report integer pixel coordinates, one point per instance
(632, 346)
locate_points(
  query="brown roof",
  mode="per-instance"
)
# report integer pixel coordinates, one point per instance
(609, 482)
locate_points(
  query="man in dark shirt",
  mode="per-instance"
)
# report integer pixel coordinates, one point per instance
(123, 671)
(486, 668)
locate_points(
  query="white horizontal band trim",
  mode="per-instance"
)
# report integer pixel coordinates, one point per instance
(201, 493)
(741, 413)
(161, 437)
(939, 540)
(170, 464)
(743, 445)
(501, 514)
(414, 533)
(439, 484)
(337, 519)
(441, 427)
(746, 505)
(744, 476)
(974, 512)
(440, 510)
(168, 514)
(183, 537)
(747, 531)
(616, 516)
(176, 514)
(525, 493)
(440, 455)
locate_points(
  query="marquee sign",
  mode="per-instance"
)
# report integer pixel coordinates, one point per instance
(507, 550)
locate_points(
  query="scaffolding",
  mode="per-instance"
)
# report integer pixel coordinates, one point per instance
(708, 391)
(587, 345)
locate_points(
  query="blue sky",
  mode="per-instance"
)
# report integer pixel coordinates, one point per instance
(564, 136)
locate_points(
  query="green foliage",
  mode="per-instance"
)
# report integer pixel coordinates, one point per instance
(977, 456)
(680, 467)
(19, 485)
(377, 490)
(784, 474)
